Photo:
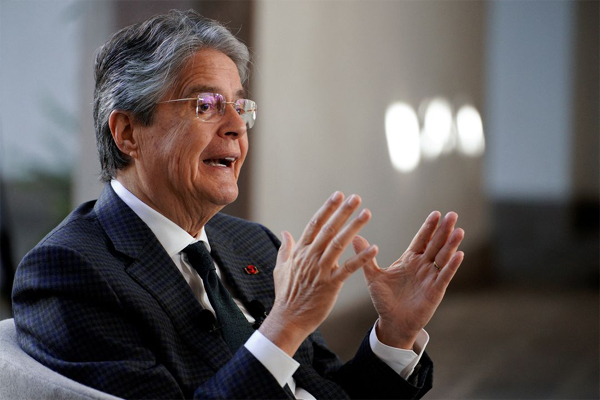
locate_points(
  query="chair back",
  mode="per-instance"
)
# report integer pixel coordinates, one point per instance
(22, 377)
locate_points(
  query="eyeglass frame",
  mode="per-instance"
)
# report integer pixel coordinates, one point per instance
(198, 98)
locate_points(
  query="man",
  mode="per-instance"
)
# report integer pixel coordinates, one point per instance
(123, 296)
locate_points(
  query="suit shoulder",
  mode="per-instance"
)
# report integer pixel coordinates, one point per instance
(242, 233)
(77, 231)
(234, 224)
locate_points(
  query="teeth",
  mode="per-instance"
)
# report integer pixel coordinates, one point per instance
(222, 162)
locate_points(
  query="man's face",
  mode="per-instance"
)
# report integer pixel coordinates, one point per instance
(184, 162)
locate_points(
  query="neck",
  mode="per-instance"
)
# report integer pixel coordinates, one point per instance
(190, 215)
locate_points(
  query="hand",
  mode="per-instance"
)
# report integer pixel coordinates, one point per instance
(308, 277)
(407, 293)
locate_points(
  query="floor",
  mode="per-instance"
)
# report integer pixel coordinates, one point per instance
(504, 343)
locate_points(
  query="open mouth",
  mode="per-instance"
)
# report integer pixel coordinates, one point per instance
(220, 162)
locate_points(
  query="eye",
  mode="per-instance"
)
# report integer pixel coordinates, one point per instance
(205, 105)
(240, 106)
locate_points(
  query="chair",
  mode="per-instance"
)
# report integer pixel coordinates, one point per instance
(22, 377)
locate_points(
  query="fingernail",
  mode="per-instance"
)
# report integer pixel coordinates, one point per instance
(364, 214)
(353, 200)
(336, 196)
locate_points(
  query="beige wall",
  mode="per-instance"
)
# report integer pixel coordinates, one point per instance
(325, 73)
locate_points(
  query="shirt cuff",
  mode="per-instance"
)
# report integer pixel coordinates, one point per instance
(402, 361)
(275, 360)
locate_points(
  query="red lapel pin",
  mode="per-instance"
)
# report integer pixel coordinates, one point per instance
(251, 270)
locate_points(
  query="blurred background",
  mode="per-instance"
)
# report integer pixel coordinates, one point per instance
(487, 108)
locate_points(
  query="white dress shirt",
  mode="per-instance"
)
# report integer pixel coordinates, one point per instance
(174, 239)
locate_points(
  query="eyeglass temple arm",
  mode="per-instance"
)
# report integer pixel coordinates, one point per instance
(173, 101)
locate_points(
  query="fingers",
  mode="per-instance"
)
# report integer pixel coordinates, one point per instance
(335, 246)
(327, 235)
(450, 247)
(441, 236)
(320, 217)
(370, 268)
(359, 243)
(447, 272)
(423, 236)
(364, 257)
(330, 232)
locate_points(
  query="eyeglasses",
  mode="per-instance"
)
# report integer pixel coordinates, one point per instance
(210, 107)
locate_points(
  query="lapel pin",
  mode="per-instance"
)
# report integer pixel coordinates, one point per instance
(251, 270)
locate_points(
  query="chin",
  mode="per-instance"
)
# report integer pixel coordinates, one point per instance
(226, 197)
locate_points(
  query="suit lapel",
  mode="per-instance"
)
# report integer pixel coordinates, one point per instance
(160, 277)
(152, 268)
(233, 257)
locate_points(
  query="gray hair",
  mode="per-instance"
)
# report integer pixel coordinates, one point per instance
(139, 64)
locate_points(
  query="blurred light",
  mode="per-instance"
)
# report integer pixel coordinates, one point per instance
(452, 140)
(470, 131)
(437, 128)
(402, 132)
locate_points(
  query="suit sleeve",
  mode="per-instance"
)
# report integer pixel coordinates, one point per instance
(244, 377)
(367, 376)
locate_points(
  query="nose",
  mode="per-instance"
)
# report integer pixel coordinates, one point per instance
(232, 124)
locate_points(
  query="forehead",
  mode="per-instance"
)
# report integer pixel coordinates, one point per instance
(209, 70)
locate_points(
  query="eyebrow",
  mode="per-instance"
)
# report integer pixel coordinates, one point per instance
(194, 90)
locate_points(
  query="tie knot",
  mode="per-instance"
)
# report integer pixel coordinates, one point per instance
(200, 258)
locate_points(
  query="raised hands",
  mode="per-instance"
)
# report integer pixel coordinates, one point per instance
(407, 293)
(308, 276)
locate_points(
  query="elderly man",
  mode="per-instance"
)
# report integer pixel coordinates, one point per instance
(150, 292)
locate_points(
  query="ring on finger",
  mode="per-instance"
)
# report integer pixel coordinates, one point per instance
(436, 266)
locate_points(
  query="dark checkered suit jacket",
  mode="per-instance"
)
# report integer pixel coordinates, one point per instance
(100, 301)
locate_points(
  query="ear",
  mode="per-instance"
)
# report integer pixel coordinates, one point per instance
(121, 125)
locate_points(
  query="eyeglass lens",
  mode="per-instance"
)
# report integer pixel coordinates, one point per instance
(211, 107)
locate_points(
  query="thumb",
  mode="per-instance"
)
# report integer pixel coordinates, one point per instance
(285, 250)
(359, 243)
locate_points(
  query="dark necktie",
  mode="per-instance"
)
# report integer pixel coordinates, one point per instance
(236, 328)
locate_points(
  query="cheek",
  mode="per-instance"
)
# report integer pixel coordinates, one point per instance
(168, 147)
(182, 153)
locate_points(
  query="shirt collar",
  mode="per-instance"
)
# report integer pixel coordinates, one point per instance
(170, 235)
